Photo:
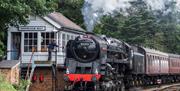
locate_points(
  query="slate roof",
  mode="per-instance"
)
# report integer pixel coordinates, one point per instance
(63, 21)
(8, 63)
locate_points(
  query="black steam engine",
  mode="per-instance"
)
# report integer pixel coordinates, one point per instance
(99, 63)
(96, 62)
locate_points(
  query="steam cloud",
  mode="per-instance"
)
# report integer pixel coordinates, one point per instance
(93, 10)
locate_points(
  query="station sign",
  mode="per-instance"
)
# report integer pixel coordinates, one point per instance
(32, 28)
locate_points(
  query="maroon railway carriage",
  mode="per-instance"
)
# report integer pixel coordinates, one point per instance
(174, 67)
(151, 62)
(149, 66)
(174, 64)
(155, 67)
(156, 62)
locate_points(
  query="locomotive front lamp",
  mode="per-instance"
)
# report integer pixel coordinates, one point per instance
(96, 71)
(67, 71)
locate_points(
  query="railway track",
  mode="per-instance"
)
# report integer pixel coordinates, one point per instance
(171, 87)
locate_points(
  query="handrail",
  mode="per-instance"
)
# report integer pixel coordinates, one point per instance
(32, 70)
(27, 74)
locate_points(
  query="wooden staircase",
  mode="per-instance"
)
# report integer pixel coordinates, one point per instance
(27, 72)
(24, 72)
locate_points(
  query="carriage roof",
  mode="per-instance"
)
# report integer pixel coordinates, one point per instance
(154, 52)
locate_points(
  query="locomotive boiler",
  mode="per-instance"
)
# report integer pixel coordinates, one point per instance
(96, 62)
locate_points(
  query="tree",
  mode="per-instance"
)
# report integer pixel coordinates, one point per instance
(72, 10)
(170, 27)
(138, 28)
(15, 12)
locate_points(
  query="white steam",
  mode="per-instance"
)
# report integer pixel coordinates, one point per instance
(155, 4)
(93, 10)
(178, 4)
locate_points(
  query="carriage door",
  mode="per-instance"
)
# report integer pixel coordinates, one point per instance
(15, 45)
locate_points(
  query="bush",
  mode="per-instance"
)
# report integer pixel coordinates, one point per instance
(22, 85)
(5, 86)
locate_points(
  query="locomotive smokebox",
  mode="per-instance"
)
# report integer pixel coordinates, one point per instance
(85, 48)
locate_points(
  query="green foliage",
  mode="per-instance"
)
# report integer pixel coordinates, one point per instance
(142, 27)
(72, 10)
(15, 12)
(5, 86)
(22, 85)
(2, 41)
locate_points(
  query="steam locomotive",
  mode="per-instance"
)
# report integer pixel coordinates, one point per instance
(99, 63)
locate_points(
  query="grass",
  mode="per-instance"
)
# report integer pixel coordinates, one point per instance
(22, 85)
(5, 86)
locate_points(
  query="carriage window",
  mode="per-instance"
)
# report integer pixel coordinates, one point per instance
(150, 60)
(147, 57)
(46, 38)
(30, 42)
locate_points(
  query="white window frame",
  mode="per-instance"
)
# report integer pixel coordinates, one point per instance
(33, 39)
(41, 38)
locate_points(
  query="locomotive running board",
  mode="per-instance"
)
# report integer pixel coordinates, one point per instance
(125, 61)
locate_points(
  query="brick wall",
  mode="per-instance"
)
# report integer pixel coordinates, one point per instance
(11, 74)
(6, 73)
(46, 85)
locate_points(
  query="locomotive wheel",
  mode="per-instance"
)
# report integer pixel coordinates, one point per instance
(97, 87)
(110, 89)
(122, 87)
(117, 88)
(107, 89)
(114, 88)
